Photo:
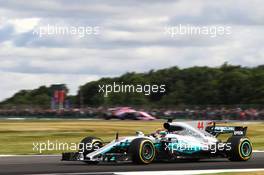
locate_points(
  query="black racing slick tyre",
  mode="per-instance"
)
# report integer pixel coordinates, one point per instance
(241, 148)
(90, 144)
(142, 151)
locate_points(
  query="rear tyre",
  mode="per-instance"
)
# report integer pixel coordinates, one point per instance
(142, 151)
(241, 148)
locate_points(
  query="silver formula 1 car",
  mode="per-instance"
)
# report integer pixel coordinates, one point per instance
(178, 140)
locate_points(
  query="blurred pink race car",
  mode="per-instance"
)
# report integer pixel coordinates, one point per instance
(127, 113)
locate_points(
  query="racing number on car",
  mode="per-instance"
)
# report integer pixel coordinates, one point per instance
(200, 125)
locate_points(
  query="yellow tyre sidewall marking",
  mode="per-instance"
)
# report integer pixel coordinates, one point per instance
(239, 151)
(140, 151)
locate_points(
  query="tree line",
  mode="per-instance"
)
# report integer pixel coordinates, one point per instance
(224, 85)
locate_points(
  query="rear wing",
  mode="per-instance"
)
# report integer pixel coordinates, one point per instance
(235, 130)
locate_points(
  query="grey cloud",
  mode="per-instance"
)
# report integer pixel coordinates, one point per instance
(225, 13)
(6, 33)
(131, 39)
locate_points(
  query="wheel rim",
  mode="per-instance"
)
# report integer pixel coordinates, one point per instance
(245, 149)
(147, 151)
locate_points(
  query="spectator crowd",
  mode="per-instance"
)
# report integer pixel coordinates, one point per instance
(209, 113)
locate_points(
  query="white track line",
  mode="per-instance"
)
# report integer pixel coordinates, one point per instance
(188, 172)
(181, 172)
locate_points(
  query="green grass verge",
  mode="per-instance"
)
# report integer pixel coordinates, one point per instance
(17, 137)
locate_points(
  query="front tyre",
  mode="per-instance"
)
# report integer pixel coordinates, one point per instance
(90, 144)
(241, 148)
(142, 151)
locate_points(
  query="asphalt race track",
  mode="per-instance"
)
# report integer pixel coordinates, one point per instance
(52, 164)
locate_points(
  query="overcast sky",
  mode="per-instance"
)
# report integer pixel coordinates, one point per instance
(131, 38)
